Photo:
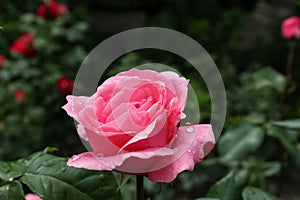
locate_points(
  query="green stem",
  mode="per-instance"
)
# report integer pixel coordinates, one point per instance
(289, 64)
(288, 75)
(139, 187)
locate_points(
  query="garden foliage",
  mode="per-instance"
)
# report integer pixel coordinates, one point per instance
(256, 154)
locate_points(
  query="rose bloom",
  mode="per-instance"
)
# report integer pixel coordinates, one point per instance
(131, 124)
(24, 45)
(20, 96)
(64, 85)
(2, 60)
(51, 9)
(30, 196)
(291, 27)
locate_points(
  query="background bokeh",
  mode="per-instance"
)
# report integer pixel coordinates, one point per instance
(258, 151)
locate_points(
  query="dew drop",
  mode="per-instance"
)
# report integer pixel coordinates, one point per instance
(101, 176)
(194, 152)
(190, 129)
(176, 136)
(74, 158)
(11, 179)
(188, 124)
(189, 150)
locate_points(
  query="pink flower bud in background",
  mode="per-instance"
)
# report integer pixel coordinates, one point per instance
(291, 27)
(30, 196)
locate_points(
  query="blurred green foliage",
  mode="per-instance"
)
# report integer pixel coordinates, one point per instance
(259, 148)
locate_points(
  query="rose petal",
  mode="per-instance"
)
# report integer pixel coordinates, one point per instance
(177, 85)
(87, 117)
(151, 130)
(74, 105)
(87, 160)
(101, 144)
(187, 161)
(81, 132)
(130, 162)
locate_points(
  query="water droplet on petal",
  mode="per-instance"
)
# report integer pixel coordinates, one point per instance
(74, 158)
(188, 124)
(176, 136)
(190, 129)
(189, 151)
(194, 152)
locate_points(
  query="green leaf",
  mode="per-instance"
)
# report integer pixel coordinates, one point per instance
(239, 142)
(225, 189)
(251, 193)
(268, 77)
(271, 168)
(298, 2)
(295, 158)
(292, 123)
(287, 137)
(11, 191)
(11, 170)
(49, 177)
(123, 179)
(207, 198)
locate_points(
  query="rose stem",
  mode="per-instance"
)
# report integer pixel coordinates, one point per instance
(288, 74)
(289, 78)
(139, 187)
(289, 63)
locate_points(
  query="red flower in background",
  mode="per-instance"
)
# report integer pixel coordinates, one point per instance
(65, 85)
(291, 27)
(51, 9)
(19, 95)
(24, 45)
(2, 60)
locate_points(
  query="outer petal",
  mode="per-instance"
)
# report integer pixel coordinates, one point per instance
(202, 144)
(75, 105)
(130, 162)
(177, 85)
(87, 160)
(81, 132)
(31, 196)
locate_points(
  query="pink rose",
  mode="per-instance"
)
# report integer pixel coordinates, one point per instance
(131, 124)
(30, 196)
(291, 27)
